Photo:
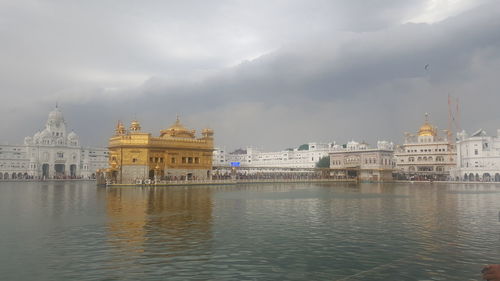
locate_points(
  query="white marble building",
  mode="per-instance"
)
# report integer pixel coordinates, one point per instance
(292, 158)
(478, 157)
(358, 160)
(51, 153)
(425, 155)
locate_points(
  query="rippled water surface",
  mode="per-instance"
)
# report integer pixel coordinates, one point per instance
(77, 231)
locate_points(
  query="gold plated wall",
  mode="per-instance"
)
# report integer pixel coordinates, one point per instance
(176, 152)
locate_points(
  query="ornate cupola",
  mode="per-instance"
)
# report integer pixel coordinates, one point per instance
(207, 133)
(120, 129)
(135, 126)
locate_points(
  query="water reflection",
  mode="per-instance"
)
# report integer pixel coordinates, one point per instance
(159, 224)
(75, 231)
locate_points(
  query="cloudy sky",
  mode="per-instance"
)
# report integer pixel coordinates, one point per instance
(267, 74)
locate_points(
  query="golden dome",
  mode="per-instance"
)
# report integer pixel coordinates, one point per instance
(427, 129)
(177, 130)
(135, 126)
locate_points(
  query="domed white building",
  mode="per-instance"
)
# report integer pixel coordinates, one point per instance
(51, 153)
(426, 155)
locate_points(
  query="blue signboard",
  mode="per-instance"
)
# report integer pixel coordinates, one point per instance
(235, 164)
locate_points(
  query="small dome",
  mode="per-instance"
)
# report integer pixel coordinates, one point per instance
(72, 136)
(135, 126)
(37, 135)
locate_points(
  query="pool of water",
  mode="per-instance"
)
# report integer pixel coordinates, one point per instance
(77, 231)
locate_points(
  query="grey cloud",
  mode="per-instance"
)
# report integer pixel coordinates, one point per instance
(324, 80)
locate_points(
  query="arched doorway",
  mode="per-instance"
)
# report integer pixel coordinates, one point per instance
(60, 170)
(114, 176)
(151, 174)
(466, 178)
(486, 177)
(477, 177)
(25, 176)
(497, 177)
(1, 176)
(6, 176)
(14, 176)
(45, 171)
(72, 170)
(19, 175)
(471, 177)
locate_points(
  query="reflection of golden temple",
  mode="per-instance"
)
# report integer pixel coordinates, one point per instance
(175, 154)
(137, 218)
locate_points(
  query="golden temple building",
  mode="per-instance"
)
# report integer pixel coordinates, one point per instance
(177, 154)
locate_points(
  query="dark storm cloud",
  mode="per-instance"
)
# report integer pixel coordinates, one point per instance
(330, 70)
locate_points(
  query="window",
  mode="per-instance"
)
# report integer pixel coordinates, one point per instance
(184, 160)
(172, 160)
(197, 160)
(475, 152)
(60, 155)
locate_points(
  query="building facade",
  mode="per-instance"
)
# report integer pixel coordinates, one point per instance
(478, 157)
(305, 156)
(175, 155)
(357, 160)
(51, 153)
(425, 155)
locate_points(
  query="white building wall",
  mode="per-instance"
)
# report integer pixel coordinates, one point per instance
(478, 157)
(279, 159)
